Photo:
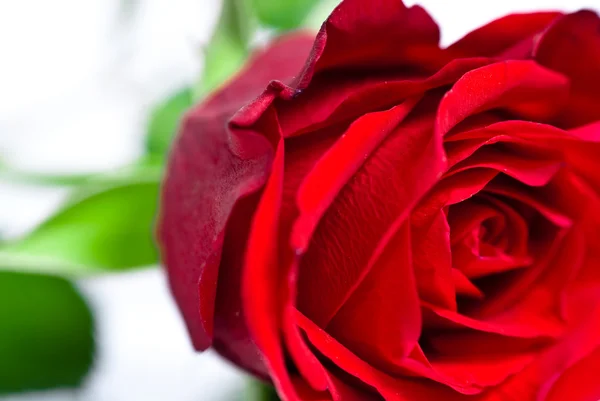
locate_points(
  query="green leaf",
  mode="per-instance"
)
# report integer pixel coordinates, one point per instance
(228, 48)
(164, 121)
(259, 391)
(35, 178)
(46, 333)
(10, 173)
(107, 225)
(283, 14)
(151, 164)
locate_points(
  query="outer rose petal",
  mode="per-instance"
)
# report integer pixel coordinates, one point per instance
(283, 60)
(209, 161)
(503, 34)
(571, 46)
(231, 336)
(192, 225)
(368, 34)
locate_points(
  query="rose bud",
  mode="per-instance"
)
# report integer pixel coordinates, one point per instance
(393, 220)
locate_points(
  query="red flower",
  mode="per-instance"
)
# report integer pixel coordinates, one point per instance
(401, 222)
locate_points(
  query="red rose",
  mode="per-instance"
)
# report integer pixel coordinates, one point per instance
(401, 222)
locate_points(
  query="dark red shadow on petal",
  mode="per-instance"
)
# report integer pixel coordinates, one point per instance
(231, 336)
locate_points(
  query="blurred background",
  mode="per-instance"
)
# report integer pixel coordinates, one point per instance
(90, 93)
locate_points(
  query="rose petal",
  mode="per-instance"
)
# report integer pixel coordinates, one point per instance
(338, 165)
(231, 333)
(536, 291)
(282, 60)
(464, 287)
(496, 252)
(517, 230)
(522, 87)
(512, 189)
(432, 261)
(309, 367)
(337, 258)
(333, 97)
(483, 371)
(191, 224)
(468, 216)
(481, 359)
(578, 148)
(536, 134)
(520, 163)
(436, 318)
(460, 150)
(378, 322)
(451, 190)
(502, 34)
(473, 265)
(574, 194)
(390, 388)
(341, 391)
(579, 382)
(536, 380)
(261, 281)
(582, 157)
(506, 135)
(375, 33)
(306, 392)
(458, 344)
(231, 336)
(588, 133)
(575, 37)
(264, 281)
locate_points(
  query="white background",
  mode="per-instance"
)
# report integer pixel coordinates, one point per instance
(76, 81)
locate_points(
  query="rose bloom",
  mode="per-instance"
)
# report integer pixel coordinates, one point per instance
(393, 220)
